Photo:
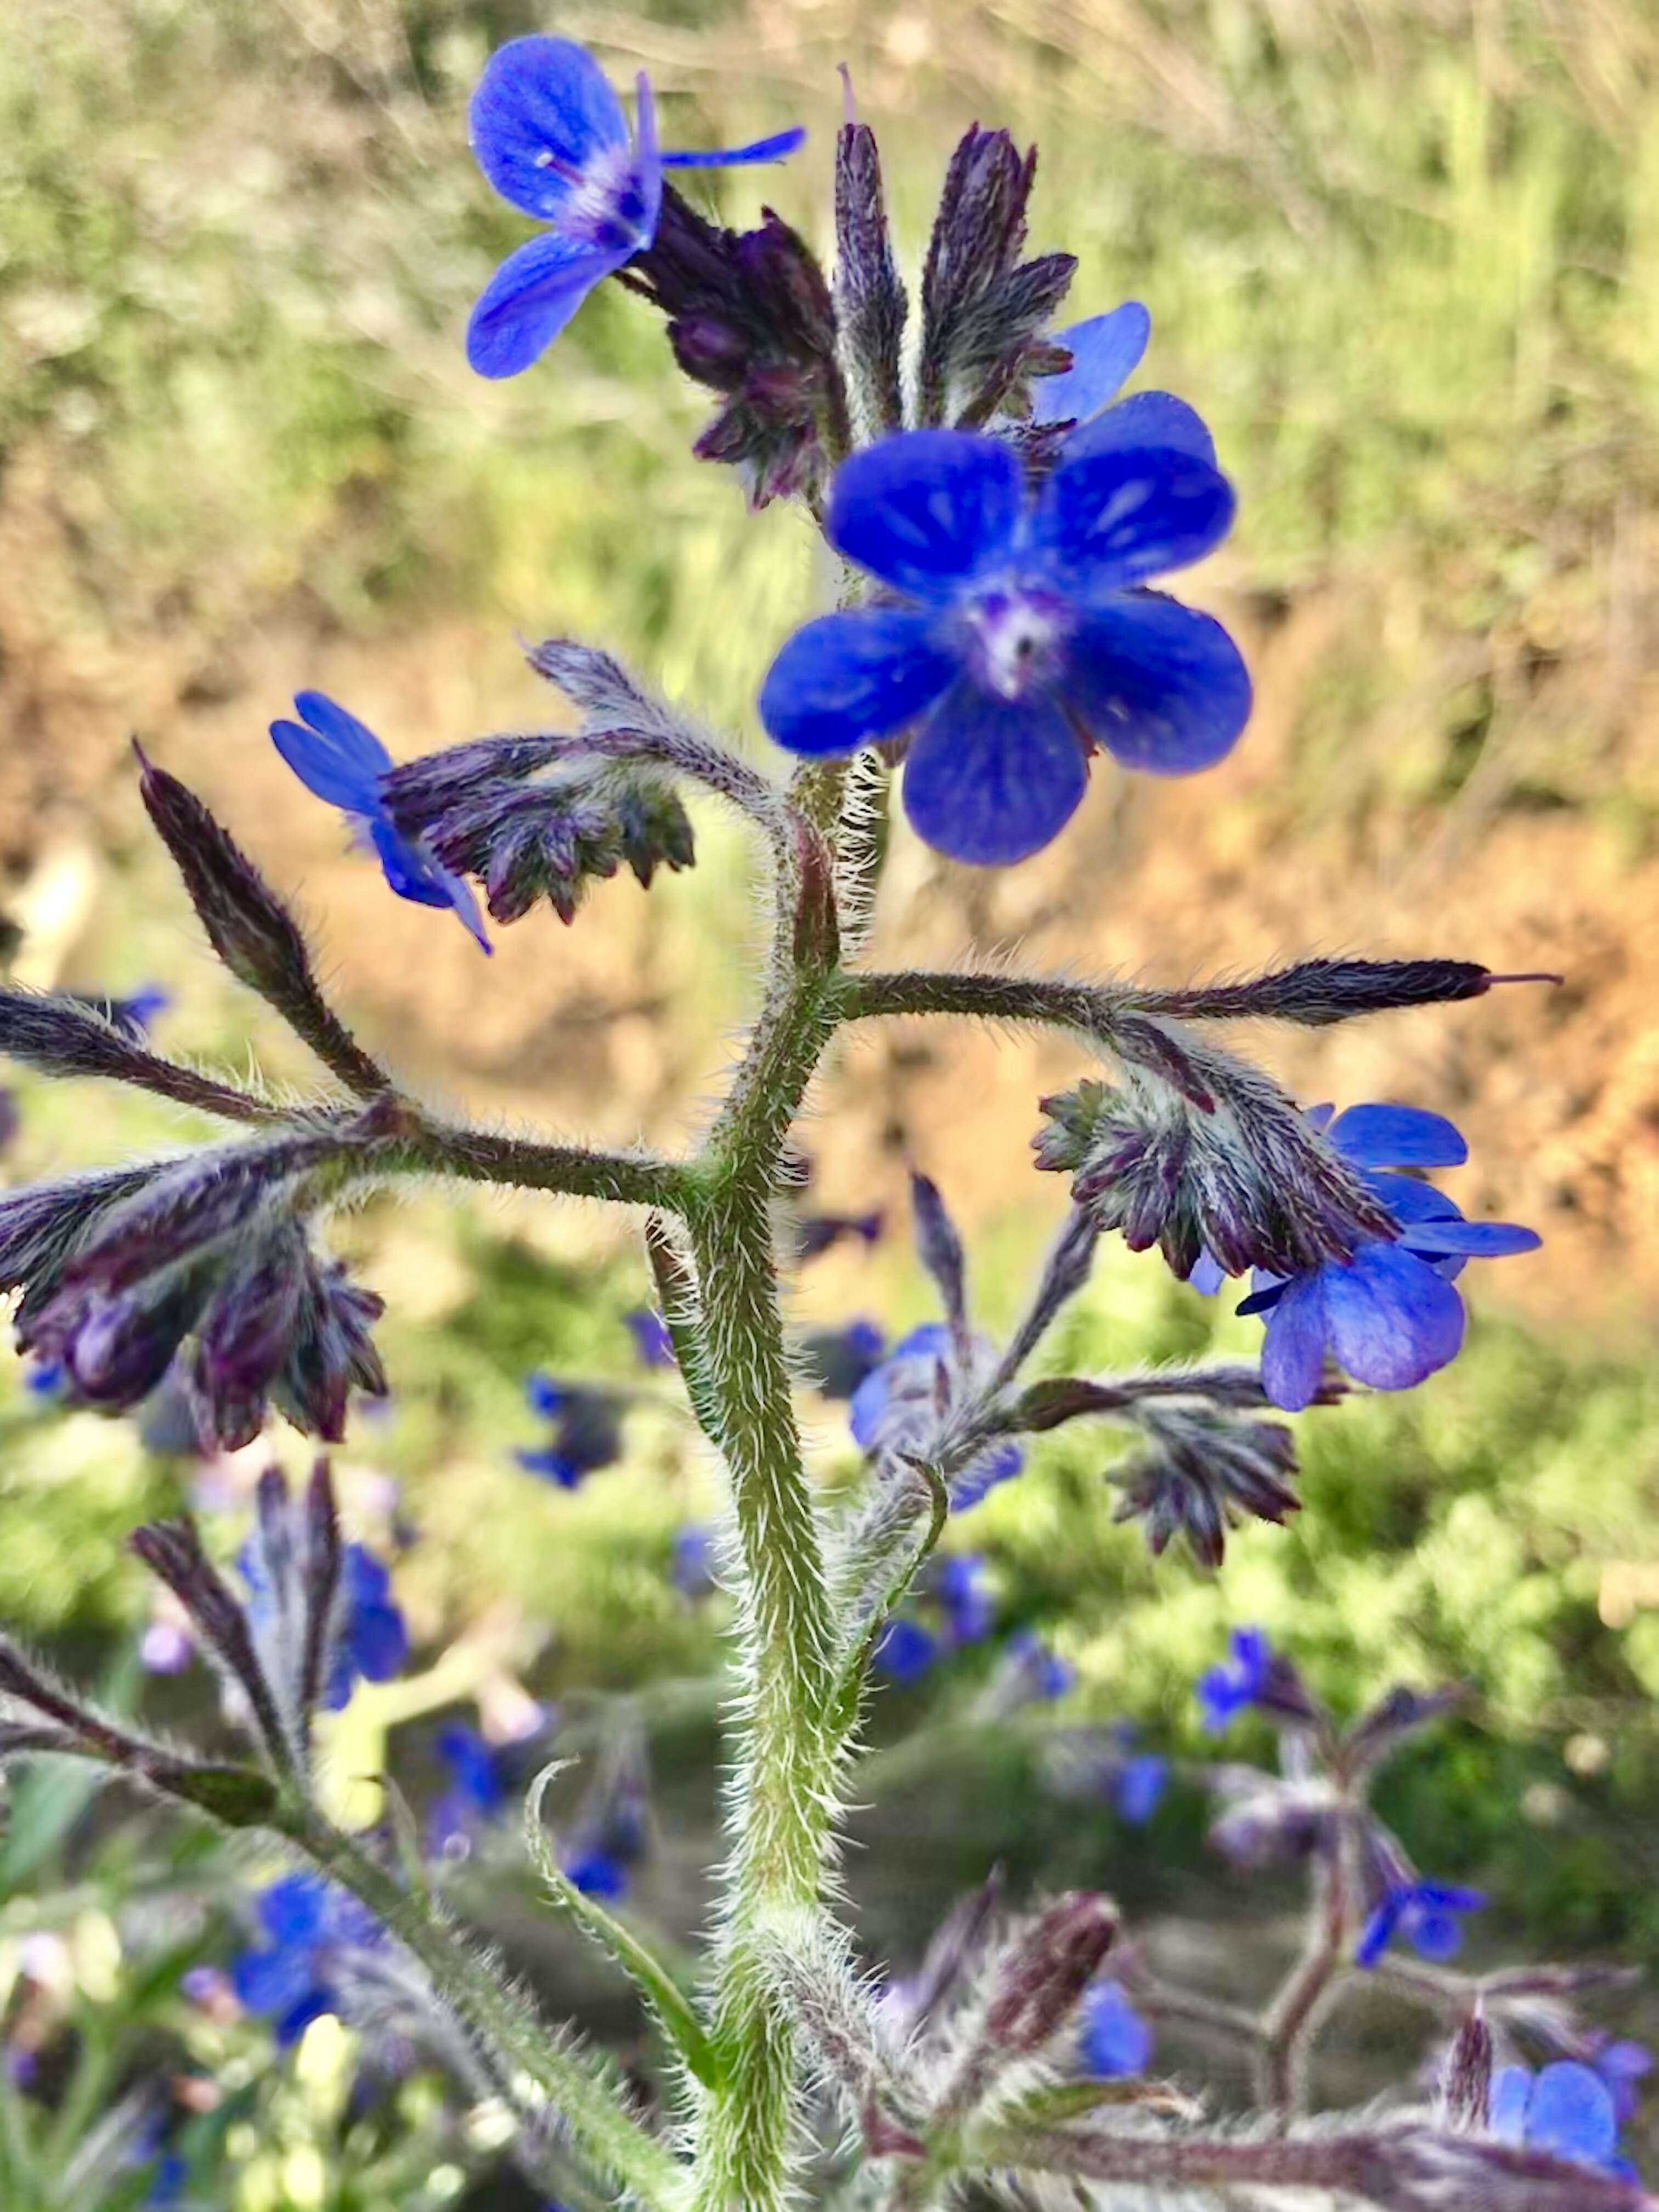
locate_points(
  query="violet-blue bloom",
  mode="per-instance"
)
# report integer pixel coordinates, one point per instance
(587, 1431)
(1114, 2039)
(551, 136)
(1426, 1913)
(289, 1976)
(373, 1644)
(1138, 1790)
(1390, 1317)
(904, 1651)
(966, 1598)
(1225, 1690)
(1566, 2111)
(341, 761)
(1104, 351)
(1025, 639)
(897, 1408)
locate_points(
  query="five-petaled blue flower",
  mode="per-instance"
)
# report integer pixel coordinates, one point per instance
(341, 760)
(904, 1651)
(550, 134)
(289, 1976)
(1114, 2039)
(1105, 350)
(1388, 1317)
(1025, 639)
(1566, 2111)
(1426, 1913)
(1226, 1690)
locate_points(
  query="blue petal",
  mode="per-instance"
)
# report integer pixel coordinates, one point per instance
(1115, 2040)
(991, 780)
(1120, 517)
(1397, 1136)
(1293, 1349)
(531, 298)
(1145, 418)
(1104, 351)
(378, 1642)
(1207, 1275)
(1374, 1935)
(365, 1579)
(1571, 2115)
(292, 1910)
(849, 676)
(1474, 1240)
(781, 144)
(1140, 1788)
(334, 755)
(545, 1396)
(540, 97)
(1436, 1936)
(1392, 1320)
(1512, 2092)
(1160, 686)
(927, 509)
(413, 874)
(270, 1982)
(1409, 1200)
(595, 1874)
(555, 1466)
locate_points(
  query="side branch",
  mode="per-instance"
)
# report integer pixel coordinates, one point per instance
(1092, 1008)
(483, 1155)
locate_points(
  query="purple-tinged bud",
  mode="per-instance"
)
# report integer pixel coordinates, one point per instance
(332, 1352)
(1251, 1182)
(751, 316)
(40, 1224)
(248, 925)
(938, 1246)
(953, 1958)
(1465, 2093)
(245, 1340)
(1200, 1474)
(1377, 1734)
(869, 296)
(981, 307)
(1316, 993)
(1048, 1966)
(173, 1552)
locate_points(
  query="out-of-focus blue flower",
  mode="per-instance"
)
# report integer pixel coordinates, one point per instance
(837, 1361)
(1026, 640)
(691, 1568)
(652, 1341)
(587, 1431)
(595, 1873)
(1225, 1690)
(1622, 2064)
(816, 1233)
(476, 1789)
(1027, 1673)
(373, 1644)
(1390, 1317)
(1114, 2038)
(961, 1582)
(550, 134)
(904, 1651)
(1566, 2111)
(897, 1407)
(1138, 1789)
(166, 2185)
(289, 1976)
(1426, 1913)
(341, 761)
(45, 1378)
(612, 1832)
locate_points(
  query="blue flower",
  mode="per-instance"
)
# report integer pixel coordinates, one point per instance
(373, 1641)
(1025, 639)
(477, 1784)
(1564, 2112)
(1139, 1789)
(595, 1873)
(652, 1341)
(899, 1406)
(587, 1431)
(904, 1651)
(692, 1567)
(341, 761)
(1114, 2039)
(962, 1586)
(289, 1976)
(1105, 350)
(550, 134)
(1390, 1316)
(837, 1361)
(1622, 2064)
(1041, 1676)
(1226, 1690)
(1426, 1913)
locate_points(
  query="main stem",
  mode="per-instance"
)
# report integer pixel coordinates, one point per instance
(782, 1770)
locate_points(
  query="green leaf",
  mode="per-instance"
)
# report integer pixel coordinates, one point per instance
(670, 2006)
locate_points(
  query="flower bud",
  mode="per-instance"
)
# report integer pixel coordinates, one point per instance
(870, 303)
(1467, 2092)
(1046, 1969)
(1201, 1473)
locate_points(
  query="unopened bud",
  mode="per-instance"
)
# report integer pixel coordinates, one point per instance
(1050, 1964)
(1467, 2090)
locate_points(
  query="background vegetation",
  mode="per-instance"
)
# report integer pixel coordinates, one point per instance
(1404, 258)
